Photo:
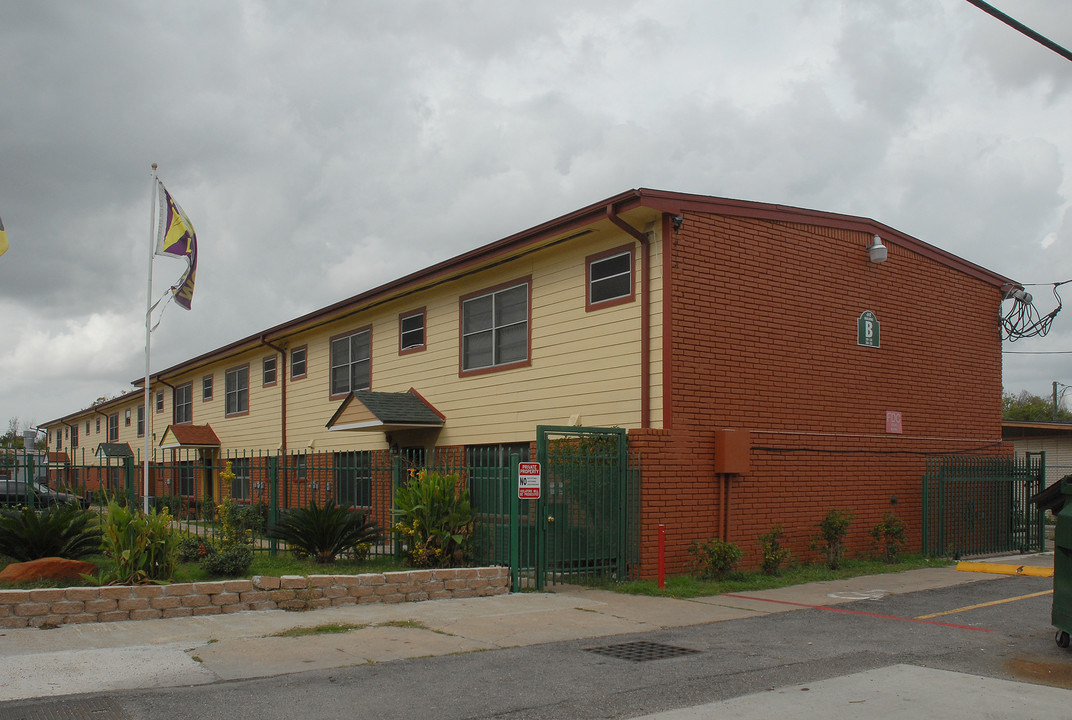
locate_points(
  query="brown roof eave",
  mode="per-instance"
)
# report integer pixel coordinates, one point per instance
(677, 203)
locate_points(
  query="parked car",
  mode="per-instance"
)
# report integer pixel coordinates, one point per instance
(15, 493)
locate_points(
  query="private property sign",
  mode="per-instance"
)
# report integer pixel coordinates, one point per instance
(528, 481)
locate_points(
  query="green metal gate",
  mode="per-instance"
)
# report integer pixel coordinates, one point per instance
(588, 512)
(975, 505)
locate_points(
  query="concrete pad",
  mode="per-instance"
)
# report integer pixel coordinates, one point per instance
(265, 657)
(81, 671)
(890, 693)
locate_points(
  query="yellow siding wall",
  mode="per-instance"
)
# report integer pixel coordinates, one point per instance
(582, 363)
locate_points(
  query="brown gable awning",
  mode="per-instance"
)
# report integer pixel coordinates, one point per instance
(384, 412)
(189, 436)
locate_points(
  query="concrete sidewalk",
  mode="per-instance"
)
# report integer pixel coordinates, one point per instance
(127, 655)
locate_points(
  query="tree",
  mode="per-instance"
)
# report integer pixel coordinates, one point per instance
(9, 438)
(1026, 406)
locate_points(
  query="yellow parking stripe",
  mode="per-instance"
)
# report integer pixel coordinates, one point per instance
(981, 605)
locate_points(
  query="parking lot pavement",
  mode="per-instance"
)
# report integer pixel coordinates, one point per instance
(128, 655)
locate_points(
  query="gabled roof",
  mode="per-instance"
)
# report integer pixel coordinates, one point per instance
(384, 411)
(189, 436)
(639, 204)
(114, 450)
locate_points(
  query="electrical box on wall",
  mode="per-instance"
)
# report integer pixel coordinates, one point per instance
(733, 449)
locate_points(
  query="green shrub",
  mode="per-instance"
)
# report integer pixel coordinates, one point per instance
(773, 554)
(435, 517)
(142, 546)
(191, 548)
(889, 535)
(715, 558)
(228, 561)
(324, 532)
(831, 538)
(65, 531)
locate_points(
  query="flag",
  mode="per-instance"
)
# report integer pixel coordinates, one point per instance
(3, 238)
(175, 237)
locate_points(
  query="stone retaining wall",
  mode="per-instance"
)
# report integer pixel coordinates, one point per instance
(57, 606)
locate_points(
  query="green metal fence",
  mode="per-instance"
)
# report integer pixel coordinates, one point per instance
(977, 505)
(595, 495)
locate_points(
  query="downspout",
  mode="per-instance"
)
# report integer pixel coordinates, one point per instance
(645, 320)
(282, 392)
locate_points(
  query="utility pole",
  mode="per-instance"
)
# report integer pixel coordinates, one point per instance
(1055, 401)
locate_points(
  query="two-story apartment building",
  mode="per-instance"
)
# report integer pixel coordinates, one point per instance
(840, 351)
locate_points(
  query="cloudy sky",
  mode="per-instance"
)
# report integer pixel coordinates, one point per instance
(323, 148)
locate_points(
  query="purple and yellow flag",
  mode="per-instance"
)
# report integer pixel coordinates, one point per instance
(3, 238)
(175, 237)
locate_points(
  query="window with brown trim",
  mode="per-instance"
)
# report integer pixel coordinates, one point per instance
(268, 371)
(411, 331)
(236, 391)
(206, 388)
(609, 278)
(351, 362)
(184, 404)
(298, 362)
(495, 328)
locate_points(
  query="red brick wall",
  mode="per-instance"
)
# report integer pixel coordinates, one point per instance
(764, 338)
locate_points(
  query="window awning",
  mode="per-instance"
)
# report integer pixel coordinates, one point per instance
(189, 436)
(385, 412)
(114, 450)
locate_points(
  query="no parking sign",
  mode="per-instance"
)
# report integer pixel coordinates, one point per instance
(529, 480)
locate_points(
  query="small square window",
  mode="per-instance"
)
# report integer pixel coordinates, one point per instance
(610, 277)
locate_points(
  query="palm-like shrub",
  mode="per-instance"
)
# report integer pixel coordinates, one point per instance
(142, 545)
(65, 531)
(324, 532)
(435, 516)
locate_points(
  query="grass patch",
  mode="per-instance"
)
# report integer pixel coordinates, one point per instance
(688, 586)
(328, 629)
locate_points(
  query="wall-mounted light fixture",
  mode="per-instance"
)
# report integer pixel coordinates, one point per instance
(677, 221)
(877, 250)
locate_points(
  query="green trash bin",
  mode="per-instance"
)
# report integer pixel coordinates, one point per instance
(1061, 615)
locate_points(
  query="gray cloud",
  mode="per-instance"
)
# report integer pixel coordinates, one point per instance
(323, 149)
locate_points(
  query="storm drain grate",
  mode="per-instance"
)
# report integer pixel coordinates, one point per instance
(641, 651)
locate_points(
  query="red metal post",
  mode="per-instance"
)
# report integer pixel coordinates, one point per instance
(662, 556)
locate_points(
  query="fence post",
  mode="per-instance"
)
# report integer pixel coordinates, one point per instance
(515, 529)
(273, 501)
(128, 472)
(396, 483)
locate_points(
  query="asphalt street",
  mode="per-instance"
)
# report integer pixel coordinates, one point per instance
(980, 648)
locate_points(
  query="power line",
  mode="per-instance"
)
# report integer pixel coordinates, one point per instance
(991, 10)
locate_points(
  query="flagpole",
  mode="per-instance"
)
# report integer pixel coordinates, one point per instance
(147, 422)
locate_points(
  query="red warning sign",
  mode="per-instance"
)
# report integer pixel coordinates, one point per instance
(529, 480)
